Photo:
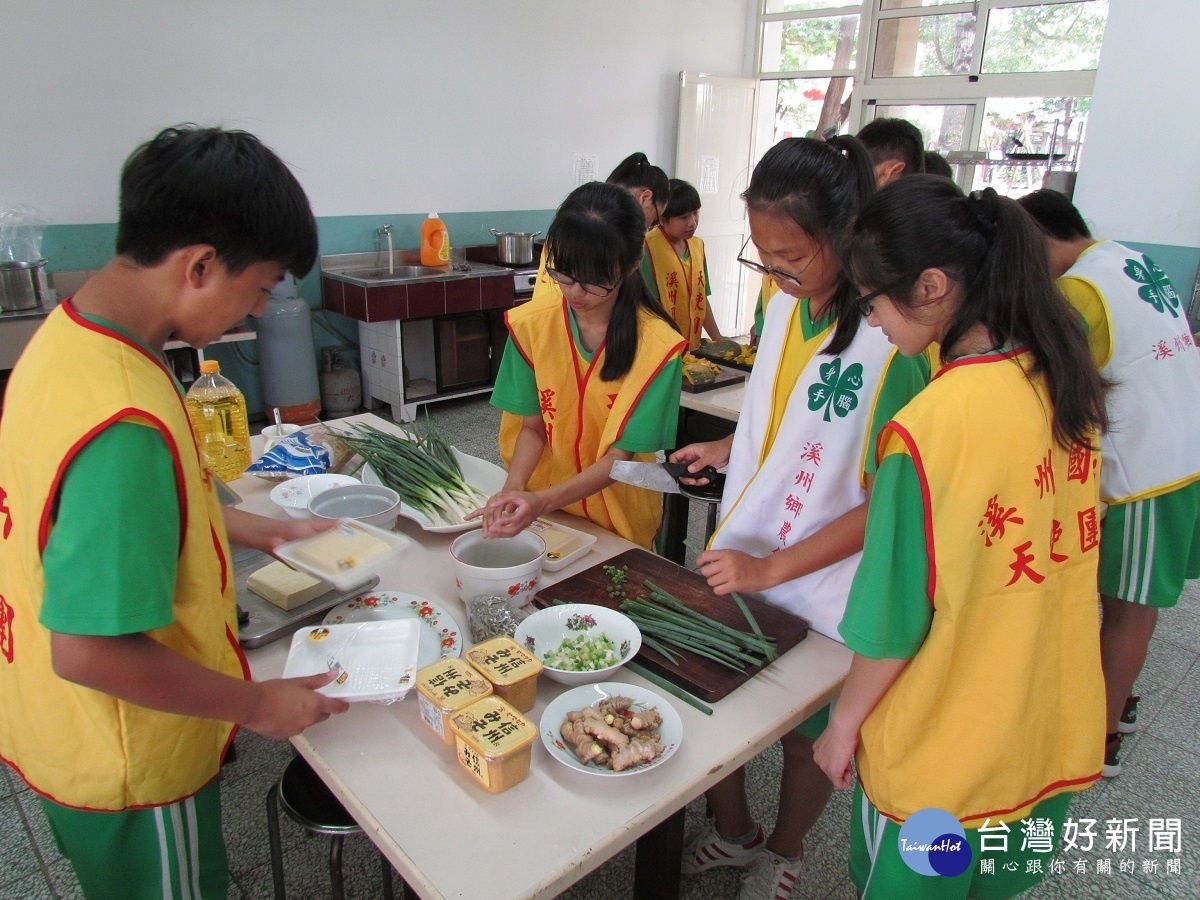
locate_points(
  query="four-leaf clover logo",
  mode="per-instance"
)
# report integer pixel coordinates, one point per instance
(836, 390)
(1155, 288)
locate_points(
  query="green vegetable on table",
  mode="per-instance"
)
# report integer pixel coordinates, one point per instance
(423, 470)
(583, 654)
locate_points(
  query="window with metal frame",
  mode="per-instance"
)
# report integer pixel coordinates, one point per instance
(1002, 88)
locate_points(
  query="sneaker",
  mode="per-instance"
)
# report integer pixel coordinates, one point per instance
(1112, 756)
(769, 877)
(708, 850)
(1127, 724)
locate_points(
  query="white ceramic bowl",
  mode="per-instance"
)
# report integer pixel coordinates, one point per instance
(371, 503)
(293, 495)
(502, 567)
(546, 629)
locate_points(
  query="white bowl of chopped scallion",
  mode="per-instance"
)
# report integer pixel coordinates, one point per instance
(579, 643)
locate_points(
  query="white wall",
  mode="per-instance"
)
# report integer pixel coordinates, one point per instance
(380, 106)
(1139, 178)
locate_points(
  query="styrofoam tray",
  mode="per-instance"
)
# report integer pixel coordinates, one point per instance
(375, 660)
(344, 573)
(563, 545)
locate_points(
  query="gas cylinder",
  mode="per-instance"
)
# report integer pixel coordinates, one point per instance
(341, 386)
(287, 358)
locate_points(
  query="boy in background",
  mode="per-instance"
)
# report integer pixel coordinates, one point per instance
(119, 663)
(896, 148)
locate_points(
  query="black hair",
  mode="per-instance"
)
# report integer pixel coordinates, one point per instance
(895, 139)
(935, 164)
(635, 172)
(597, 237)
(684, 199)
(820, 186)
(1055, 215)
(191, 185)
(991, 247)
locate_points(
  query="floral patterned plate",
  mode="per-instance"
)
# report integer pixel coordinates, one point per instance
(441, 638)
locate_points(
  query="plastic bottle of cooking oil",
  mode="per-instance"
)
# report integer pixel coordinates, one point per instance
(218, 413)
(435, 242)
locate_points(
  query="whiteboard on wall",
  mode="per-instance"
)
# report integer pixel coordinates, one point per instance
(1139, 177)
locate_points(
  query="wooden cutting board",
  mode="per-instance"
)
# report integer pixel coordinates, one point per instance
(706, 679)
(723, 379)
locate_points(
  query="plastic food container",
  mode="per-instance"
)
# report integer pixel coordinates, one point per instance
(512, 670)
(446, 687)
(494, 743)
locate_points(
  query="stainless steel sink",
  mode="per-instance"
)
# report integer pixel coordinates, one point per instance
(395, 273)
(370, 269)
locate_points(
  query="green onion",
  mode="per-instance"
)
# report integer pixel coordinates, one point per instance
(422, 469)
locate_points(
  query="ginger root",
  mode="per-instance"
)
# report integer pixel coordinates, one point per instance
(613, 733)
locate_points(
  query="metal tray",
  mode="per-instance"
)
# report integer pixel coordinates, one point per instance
(267, 622)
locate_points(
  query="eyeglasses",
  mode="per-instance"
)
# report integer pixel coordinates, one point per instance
(866, 303)
(779, 275)
(596, 290)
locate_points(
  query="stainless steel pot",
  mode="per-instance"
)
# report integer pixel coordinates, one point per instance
(20, 285)
(514, 248)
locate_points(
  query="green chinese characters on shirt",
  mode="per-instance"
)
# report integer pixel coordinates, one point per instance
(837, 391)
(1156, 289)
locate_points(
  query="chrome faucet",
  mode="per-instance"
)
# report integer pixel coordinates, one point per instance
(383, 231)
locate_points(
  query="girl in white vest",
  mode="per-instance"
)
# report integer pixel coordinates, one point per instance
(799, 466)
(974, 704)
(1139, 336)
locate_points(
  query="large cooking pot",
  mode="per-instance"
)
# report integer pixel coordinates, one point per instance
(20, 285)
(514, 248)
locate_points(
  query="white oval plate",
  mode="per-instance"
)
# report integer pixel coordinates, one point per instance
(441, 638)
(487, 477)
(671, 730)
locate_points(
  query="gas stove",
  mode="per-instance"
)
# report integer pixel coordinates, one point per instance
(524, 278)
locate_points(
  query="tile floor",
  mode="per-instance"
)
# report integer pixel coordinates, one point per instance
(1161, 780)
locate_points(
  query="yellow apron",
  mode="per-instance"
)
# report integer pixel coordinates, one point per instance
(584, 416)
(78, 746)
(681, 286)
(1003, 705)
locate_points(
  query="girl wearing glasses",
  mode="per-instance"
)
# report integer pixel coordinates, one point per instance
(675, 269)
(800, 465)
(976, 685)
(590, 380)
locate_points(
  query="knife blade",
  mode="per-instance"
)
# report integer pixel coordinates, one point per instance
(645, 475)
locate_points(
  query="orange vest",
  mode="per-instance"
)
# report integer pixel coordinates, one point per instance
(584, 416)
(681, 286)
(1003, 704)
(75, 745)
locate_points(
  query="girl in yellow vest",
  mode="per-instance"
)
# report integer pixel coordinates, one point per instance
(794, 503)
(974, 706)
(675, 269)
(120, 668)
(591, 380)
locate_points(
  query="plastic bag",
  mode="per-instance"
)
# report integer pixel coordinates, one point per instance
(21, 230)
(491, 616)
(312, 451)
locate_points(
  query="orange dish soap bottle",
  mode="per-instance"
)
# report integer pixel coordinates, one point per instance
(435, 242)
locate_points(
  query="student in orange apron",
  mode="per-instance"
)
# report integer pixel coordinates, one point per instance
(974, 705)
(675, 268)
(799, 468)
(588, 381)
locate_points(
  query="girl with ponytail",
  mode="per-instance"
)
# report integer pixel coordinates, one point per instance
(588, 380)
(799, 465)
(976, 686)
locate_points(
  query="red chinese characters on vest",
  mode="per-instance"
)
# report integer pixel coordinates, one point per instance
(6, 630)
(5, 514)
(998, 520)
